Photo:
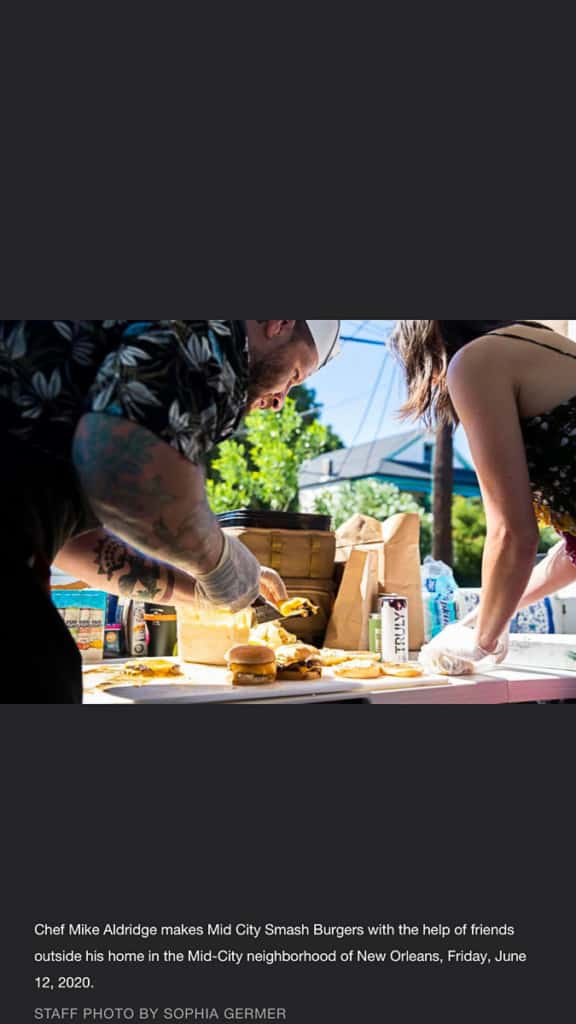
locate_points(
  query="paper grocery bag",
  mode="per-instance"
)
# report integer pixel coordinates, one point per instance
(401, 535)
(362, 533)
(396, 543)
(349, 628)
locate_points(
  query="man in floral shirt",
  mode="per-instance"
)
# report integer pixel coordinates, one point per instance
(104, 424)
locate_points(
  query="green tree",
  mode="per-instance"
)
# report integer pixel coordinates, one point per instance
(311, 409)
(469, 530)
(469, 534)
(261, 471)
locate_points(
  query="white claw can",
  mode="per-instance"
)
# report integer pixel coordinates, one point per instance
(394, 613)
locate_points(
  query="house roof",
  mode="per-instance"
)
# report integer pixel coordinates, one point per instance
(383, 458)
(361, 461)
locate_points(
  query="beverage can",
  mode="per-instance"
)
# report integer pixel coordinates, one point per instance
(162, 627)
(376, 634)
(113, 641)
(394, 619)
(136, 629)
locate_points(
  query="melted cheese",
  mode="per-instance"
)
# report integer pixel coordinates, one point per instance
(205, 636)
(300, 605)
(254, 670)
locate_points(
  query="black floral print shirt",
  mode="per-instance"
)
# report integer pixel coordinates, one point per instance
(184, 380)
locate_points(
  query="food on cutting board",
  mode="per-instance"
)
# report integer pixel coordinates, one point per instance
(137, 673)
(298, 663)
(152, 668)
(358, 670)
(299, 606)
(272, 634)
(331, 658)
(445, 663)
(402, 670)
(206, 634)
(251, 665)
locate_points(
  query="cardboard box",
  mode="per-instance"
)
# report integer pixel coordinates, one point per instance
(84, 612)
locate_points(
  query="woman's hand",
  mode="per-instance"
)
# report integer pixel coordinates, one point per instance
(272, 587)
(456, 652)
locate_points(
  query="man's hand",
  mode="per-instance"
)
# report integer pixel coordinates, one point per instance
(456, 652)
(272, 587)
(235, 582)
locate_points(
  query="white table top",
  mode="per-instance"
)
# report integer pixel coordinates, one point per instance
(506, 685)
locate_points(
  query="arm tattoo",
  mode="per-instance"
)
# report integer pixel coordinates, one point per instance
(143, 577)
(170, 586)
(143, 493)
(110, 557)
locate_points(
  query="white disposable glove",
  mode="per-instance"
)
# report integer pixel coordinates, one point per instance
(235, 582)
(272, 587)
(456, 652)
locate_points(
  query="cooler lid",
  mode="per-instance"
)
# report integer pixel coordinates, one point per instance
(265, 520)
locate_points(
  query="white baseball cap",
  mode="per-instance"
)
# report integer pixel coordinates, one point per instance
(326, 335)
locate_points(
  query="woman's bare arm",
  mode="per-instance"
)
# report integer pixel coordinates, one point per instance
(487, 406)
(555, 572)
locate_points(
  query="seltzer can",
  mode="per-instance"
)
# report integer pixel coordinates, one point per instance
(376, 634)
(394, 616)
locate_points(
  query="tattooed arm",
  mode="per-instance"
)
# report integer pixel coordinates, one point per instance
(106, 563)
(147, 494)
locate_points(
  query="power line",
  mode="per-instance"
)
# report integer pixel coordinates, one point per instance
(364, 418)
(364, 341)
(385, 408)
(345, 401)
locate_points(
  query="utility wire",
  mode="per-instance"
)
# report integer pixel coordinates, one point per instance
(366, 414)
(364, 341)
(385, 408)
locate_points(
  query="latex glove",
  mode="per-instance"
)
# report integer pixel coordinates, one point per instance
(455, 652)
(272, 587)
(235, 582)
(471, 620)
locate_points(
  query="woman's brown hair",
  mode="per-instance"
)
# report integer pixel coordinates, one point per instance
(420, 347)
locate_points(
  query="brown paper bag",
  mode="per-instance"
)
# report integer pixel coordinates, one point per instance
(403, 574)
(349, 628)
(362, 533)
(397, 546)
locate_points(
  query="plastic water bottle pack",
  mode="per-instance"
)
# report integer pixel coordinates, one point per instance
(439, 590)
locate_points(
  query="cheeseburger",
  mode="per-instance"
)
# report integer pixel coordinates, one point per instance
(251, 665)
(298, 662)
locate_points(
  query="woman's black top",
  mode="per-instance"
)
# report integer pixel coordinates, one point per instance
(459, 332)
(550, 438)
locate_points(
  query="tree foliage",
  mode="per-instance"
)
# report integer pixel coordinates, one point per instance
(469, 530)
(469, 537)
(369, 497)
(261, 470)
(311, 409)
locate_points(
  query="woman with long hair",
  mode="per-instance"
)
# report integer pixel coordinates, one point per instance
(512, 386)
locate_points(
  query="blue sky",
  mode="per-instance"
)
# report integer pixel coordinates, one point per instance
(346, 384)
(363, 389)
